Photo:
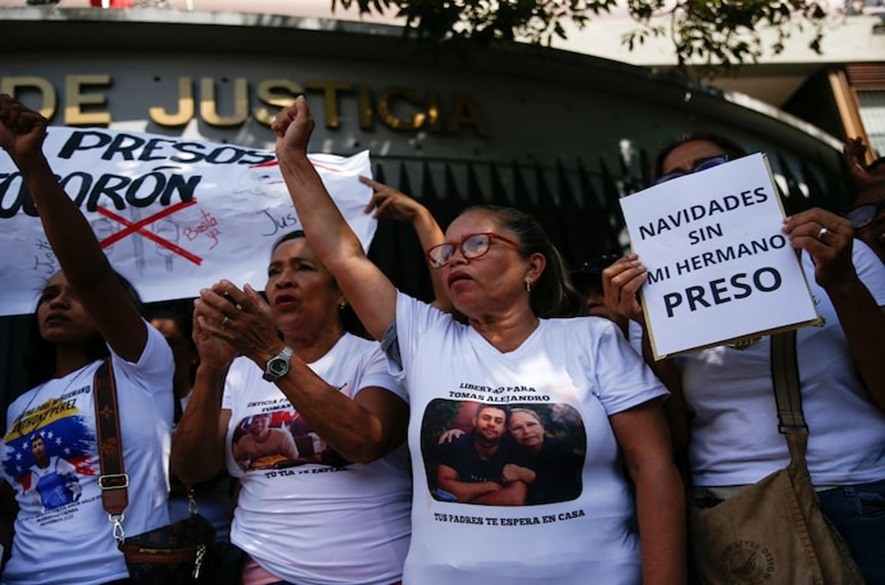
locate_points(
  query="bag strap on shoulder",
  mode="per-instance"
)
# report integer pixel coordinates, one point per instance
(785, 374)
(113, 480)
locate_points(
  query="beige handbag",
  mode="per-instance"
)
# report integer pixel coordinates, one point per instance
(773, 532)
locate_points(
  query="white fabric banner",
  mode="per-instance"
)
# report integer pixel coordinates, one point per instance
(173, 215)
(719, 267)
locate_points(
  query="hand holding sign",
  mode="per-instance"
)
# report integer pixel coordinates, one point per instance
(828, 238)
(719, 267)
(620, 285)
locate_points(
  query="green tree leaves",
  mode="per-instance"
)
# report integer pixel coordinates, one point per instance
(704, 33)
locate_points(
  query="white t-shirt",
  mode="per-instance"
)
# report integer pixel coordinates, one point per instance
(574, 374)
(634, 335)
(317, 519)
(734, 437)
(62, 533)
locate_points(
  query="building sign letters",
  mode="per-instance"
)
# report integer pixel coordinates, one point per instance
(85, 101)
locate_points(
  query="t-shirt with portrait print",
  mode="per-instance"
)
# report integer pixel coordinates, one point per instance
(304, 513)
(50, 457)
(573, 522)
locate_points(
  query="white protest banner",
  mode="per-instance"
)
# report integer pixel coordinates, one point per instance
(172, 215)
(719, 267)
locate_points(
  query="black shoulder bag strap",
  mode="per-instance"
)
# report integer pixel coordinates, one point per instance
(113, 481)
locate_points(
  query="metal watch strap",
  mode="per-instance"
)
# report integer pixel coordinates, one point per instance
(112, 480)
(285, 355)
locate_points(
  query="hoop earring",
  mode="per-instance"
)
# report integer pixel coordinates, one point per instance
(528, 285)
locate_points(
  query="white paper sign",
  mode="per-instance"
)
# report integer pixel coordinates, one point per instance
(720, 268)
(173, 215)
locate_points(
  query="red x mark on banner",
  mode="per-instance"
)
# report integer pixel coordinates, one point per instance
(138, 227)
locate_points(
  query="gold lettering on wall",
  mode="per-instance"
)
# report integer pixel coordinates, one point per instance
(366, 113)
(434, 114)
(186, 106)
(386, 103)
(330, 92)
(398, 107)
(12, 85)
(466, 113)
(77, 96)
(268, 94)
(209, 103)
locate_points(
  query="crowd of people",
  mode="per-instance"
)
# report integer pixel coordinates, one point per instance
(338, 430)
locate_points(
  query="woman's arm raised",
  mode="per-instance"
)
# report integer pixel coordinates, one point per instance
(75, 246)
(367, 289)
(389, 203)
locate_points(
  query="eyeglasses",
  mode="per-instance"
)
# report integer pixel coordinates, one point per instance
(471, 246)
(701, 164)
(863, 215)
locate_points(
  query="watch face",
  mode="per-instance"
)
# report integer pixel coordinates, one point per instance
(278, 366)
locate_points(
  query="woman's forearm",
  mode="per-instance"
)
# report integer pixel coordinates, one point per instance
(198, 442)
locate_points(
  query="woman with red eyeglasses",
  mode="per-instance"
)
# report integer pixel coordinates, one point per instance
(731, 437)
(513, 348)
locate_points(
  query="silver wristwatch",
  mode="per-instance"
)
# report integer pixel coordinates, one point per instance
(278, 365)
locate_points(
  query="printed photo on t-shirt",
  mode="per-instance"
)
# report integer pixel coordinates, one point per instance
(277, 440)
(518, 454)
(48, 449)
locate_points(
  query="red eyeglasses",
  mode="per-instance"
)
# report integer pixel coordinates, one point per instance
(471, 246)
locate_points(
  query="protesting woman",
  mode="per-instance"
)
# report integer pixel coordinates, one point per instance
(731, 427)
(85, 313)
(505, 278)
(310, 422)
